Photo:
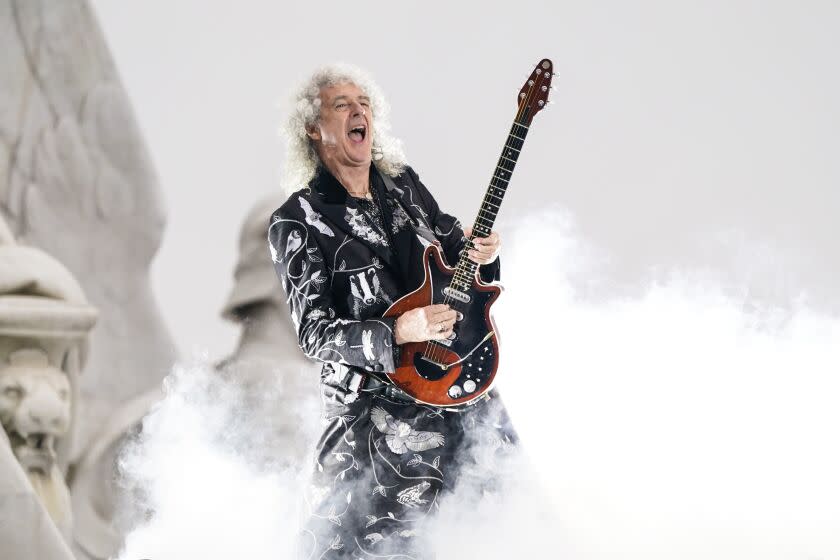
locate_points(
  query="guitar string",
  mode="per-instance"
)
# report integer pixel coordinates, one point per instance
(434, 351)
(437, 352)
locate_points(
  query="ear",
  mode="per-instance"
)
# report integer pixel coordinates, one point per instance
(314, 133)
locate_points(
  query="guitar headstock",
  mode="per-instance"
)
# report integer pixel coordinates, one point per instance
(534, 93)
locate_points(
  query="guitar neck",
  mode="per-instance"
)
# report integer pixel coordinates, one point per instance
(489, 208)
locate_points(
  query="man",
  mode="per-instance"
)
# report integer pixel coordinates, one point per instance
(345, 247)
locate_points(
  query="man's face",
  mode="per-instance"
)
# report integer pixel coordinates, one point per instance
(344, 135)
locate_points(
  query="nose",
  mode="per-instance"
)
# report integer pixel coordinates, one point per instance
(357, 108)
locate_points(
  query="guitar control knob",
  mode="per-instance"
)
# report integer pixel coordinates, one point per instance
(469, 386)
(455, 391)
(459, 316)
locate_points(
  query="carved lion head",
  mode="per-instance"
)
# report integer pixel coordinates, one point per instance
(34, 407)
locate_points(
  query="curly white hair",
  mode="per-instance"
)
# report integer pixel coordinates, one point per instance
(301, 157)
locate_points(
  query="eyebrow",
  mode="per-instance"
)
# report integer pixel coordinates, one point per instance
(365, 97)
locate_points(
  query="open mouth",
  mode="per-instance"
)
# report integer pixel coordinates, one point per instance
(34, 452)
(358, 133)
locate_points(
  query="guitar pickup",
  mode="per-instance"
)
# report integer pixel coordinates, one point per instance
(456, 294)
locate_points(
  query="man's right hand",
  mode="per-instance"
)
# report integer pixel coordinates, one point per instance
(433, 322)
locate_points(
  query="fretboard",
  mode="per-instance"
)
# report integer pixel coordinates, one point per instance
(489, 209)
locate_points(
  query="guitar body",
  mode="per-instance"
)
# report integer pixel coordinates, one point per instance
(449, 372)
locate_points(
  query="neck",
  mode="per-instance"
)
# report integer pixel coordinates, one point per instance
(355, 179)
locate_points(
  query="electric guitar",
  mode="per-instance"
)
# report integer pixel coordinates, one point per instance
(462, 368)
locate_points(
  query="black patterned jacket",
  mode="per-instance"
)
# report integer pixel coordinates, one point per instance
(340, 272)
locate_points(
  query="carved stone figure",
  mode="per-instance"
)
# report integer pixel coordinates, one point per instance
(44, 324)
(35, 412)
(280, 383)
(76, 181)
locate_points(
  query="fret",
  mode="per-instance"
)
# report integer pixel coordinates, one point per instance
(489, 220)
(462, 284)
(483, 225)
(499, 198)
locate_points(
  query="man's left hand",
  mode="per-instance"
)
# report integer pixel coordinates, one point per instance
(486, 248)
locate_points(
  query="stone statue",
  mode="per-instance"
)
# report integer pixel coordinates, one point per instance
(275, 386)
(76, 181)
(44, 325)
(278, 380)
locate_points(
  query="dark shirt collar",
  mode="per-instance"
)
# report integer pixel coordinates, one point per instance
(333, 191)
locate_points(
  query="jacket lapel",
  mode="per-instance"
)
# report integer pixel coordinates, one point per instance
(410, 260)
(340, 209)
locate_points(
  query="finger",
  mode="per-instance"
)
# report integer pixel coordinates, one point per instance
(450, 315)
(434, 330)
(443, 335)
(445, 316)
(468, 232)
(436, 308)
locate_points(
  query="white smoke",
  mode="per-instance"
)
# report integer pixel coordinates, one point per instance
(689, 422)
(209, 472)
(679, 423)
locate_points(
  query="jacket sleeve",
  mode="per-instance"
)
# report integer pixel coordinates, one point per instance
(322, 335)
(448, 230)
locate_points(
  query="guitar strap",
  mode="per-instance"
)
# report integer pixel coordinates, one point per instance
(396, 193)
